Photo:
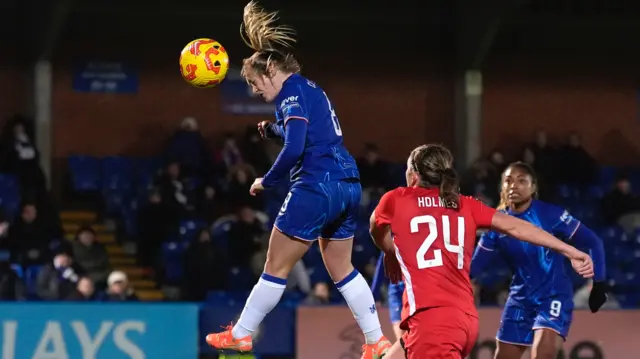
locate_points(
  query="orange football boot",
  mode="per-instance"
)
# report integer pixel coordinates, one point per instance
(377, 350)
(226, 341)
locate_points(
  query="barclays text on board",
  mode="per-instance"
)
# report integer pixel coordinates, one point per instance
(98, 331)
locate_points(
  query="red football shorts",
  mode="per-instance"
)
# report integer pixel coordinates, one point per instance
(440, 333)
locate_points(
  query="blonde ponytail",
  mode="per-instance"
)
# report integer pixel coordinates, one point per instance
(259, 31)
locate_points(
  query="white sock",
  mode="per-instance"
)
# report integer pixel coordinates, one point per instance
(263, 298)
(356, 292)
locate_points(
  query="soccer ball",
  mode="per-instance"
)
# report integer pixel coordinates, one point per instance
(204, 63)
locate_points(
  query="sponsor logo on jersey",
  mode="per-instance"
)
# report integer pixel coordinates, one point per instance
(566, 217)
(290, 99)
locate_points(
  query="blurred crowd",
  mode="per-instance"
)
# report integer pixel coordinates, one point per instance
(31, 234)
(203, 194)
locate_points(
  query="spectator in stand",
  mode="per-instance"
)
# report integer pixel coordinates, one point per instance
(91, 256)
(246, 238)
(546, 160)
(11, 287)
(254, 150)
(118, 289)
(174, 190)
(19, 155)
(189, 148)
(578, 167)
(85, 291)
(621, 206)
(156, 222)
(59, 278)
(298, 279)
(29, 237)
(202, 261)
(240, 179)
(479, 182)
(320, 295)
(6, 245)
(496, 159)
(230, 154)
(374, 173)
(529, 157)
(208, 207)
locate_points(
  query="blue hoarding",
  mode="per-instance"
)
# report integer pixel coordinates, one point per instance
(105, 76)
(98, 331)
(238, 99)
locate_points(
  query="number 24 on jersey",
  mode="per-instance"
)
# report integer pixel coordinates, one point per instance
(436, 261)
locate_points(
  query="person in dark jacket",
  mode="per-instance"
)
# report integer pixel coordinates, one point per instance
(59, 278)
(91, 256)
(202, 260)
(11, 287)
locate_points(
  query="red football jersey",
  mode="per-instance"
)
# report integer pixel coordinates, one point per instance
(434, 246)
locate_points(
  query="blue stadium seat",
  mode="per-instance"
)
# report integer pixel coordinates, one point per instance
(9, 182)
(620, 254)
(128, 213)
(17, 269)
(564, 192)
(172, 260)
(30, 278)
(220, 231)
(319, 274)
(218, 298)
(291, 298)
(10, 202)
(635, 238)
(241, 279)
(190, 228)
(596, 192)
(611, 234)
(226, 298)
(114, 201)
(607, 175)
(117, 173)
(85, 173)
(313, 257)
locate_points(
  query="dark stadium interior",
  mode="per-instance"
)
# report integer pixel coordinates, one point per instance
(481, 77)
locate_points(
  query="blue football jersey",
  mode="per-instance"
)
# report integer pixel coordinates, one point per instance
(325, 158)
(538, 272)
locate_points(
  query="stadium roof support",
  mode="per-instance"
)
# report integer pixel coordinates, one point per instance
(477, 24)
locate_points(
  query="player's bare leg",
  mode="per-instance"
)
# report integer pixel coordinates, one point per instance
(284, 252)
(509, 351)
(546, 344)
(336, 255)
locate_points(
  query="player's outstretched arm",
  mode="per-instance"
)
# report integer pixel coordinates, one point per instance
(484, 254)
(290, 154)
(586, 238)
(527, 232)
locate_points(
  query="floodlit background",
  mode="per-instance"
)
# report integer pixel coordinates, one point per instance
(99, 127)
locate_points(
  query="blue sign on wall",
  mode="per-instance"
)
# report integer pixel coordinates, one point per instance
(238, 99)
(98, 331)
(275, 336)
(102, 76)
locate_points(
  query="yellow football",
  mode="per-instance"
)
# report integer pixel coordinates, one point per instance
(204, 63)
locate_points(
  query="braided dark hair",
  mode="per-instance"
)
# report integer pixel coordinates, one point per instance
(434, 166)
